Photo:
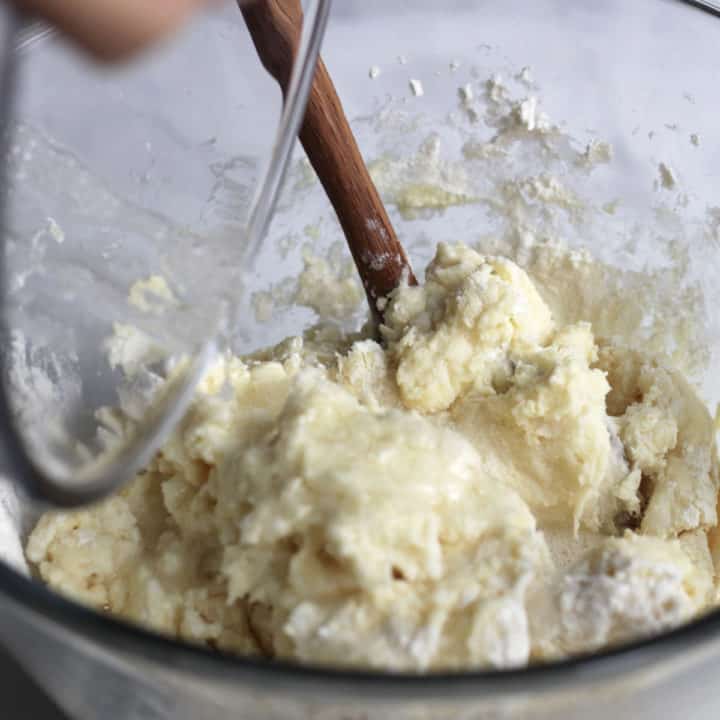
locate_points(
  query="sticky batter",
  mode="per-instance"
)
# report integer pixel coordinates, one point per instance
(489, 486)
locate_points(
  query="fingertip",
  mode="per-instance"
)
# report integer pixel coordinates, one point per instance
(112, 30)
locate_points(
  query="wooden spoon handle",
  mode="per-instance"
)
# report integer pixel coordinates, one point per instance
(330, 145)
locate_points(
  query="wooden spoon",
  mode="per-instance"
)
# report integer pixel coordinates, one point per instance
(330, 145)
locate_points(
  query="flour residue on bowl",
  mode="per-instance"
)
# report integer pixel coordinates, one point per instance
(525, 188)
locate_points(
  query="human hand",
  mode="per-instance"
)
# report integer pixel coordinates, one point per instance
(112, 29)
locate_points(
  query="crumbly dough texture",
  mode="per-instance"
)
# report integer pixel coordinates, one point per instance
(485, 488)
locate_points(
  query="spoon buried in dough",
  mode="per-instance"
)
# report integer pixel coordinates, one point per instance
(330, 145)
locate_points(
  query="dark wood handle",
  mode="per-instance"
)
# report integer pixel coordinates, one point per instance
(330, 145)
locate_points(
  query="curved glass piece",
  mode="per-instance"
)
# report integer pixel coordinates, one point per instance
(61, 476)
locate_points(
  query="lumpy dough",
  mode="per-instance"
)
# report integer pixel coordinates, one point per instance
(482, 489)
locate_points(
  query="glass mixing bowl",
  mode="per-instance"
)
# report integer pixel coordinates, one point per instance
(483, 121)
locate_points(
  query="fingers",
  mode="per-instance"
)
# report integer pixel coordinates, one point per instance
(112, 29)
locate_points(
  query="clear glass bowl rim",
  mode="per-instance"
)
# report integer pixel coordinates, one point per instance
(40, 606)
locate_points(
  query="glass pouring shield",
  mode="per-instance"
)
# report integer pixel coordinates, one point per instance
(136, 198)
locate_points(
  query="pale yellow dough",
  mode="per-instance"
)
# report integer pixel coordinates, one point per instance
(485, 489)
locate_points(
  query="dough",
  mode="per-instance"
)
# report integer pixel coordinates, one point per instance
(487, 487)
